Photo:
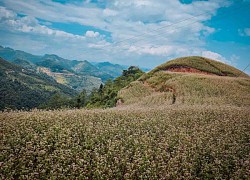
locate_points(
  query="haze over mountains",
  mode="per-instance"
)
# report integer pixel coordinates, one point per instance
(28, 80)
(76, 74)
(26, 88)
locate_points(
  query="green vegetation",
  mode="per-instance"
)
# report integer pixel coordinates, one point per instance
(106, 96)
(114, 70)
(25, 64)
(56, 64)
(58, 101)
(53, 65)
(24, 89)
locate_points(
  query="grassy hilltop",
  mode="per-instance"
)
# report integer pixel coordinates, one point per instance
(204, 65)
(190, 80)
(186, 119)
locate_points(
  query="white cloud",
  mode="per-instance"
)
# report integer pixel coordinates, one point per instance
(119, 16)
(5, 14)
(244, 32)
(215, 56)
(234, 58)
(27, 24)
(247, 31)
(133, 19)
(166, 50)
(109, 12)
(92, 34)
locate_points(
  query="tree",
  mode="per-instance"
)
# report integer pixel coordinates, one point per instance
(57, 101)
(106, 95)
(81, 99)
(100, 89)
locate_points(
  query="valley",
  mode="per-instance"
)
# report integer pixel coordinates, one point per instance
(22, 72)
(77, 75)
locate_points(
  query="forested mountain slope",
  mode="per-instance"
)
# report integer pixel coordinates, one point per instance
(23, 88)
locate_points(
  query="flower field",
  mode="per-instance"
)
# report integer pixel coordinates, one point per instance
(170, 142)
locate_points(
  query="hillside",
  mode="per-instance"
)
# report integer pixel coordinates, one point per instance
(105, 96)
(200, 65)
(171, 125)
(189, 80)
(23, 88)
(113, 70)
(82, 70)
(25, 64)
(86, 68)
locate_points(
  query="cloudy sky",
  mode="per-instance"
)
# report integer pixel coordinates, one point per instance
(130, 32)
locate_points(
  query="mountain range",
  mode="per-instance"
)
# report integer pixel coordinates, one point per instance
(25, 88)
(75, 74)
(28, 80)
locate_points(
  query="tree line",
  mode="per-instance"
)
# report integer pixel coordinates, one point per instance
(103, 97)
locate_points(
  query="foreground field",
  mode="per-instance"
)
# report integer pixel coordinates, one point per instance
(172, 142)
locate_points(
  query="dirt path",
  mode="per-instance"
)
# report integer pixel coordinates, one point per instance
(167, 89)
(185, 69)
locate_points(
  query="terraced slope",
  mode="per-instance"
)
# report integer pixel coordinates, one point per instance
(189, 80)
(23, 88)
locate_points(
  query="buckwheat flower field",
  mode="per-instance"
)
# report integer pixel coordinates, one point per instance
(175, 142)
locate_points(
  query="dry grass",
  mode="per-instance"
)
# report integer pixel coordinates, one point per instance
(203, 64)
(188, 88)
(177, 142)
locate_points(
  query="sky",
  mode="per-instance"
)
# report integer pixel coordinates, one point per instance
(145, 33)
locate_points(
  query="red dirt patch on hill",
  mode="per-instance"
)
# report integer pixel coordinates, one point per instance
(186, 69)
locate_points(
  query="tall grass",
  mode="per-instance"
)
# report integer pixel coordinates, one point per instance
(189, 89)
(203, 64)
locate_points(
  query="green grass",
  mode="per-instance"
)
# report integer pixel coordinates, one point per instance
(203, 64)
(190, 142)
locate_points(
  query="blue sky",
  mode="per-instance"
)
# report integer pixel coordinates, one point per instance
(129, 32)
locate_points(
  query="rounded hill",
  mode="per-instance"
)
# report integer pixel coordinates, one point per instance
(201, 65)
(189, 80)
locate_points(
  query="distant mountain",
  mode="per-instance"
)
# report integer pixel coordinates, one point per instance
(75, 81)
(75, 74)
(11, 54)
(54, 66)
(25, 64)
(86, 68)
(55, 60)
(113, 70)
(24, 88)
